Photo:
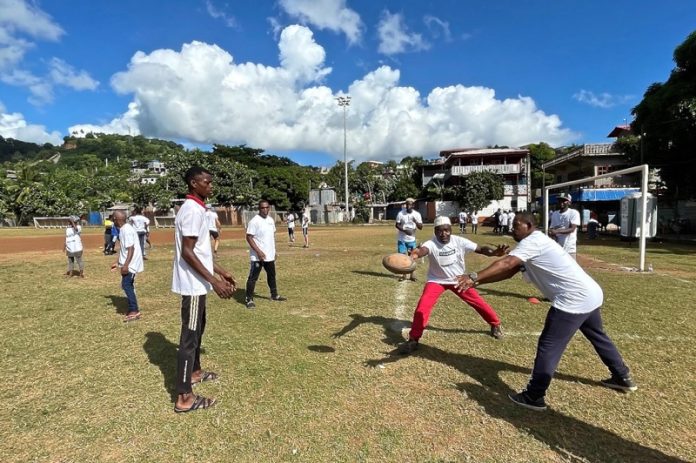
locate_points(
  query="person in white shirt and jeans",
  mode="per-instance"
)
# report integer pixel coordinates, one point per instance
(130, 263)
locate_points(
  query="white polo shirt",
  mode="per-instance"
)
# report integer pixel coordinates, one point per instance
(557, 275)
(73, 242)
(129, 238)
(408, 221)
(565, 219)
(447, 260)
(263, 232)
(191, 221)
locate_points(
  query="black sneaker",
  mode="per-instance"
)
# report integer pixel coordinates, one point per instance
(408, 347)
(625, 384)
(250, 304)
(496, 331)
(279, 298)
(523, 400)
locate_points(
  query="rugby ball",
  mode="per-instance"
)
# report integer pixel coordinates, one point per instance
(399, 263)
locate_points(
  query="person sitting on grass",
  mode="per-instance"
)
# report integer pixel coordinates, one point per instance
(446, 254)
(575, 301)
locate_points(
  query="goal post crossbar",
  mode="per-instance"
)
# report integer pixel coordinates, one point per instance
(644, 201)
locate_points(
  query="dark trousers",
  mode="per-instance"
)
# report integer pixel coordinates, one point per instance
(128, 286)
(559, 329)
(254, 273)
(188, 358)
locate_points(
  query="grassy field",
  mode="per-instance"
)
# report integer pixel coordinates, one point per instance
(312, 379)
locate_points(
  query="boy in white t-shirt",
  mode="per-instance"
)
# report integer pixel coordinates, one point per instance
(305, 229)
(290, 221)
(575, 298)
(446, 254)
(141, 225)
(193, 276)
(462, 221)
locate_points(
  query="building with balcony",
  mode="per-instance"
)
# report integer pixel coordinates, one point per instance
(512, 163)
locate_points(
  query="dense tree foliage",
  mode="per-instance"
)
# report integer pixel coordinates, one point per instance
(478, 189)
(666, 120)
(539, 153)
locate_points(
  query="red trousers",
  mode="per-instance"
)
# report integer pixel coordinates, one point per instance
(432, 292)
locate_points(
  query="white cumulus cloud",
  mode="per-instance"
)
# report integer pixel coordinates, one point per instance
(394, 36)
(21, 22)
(603, 100)
(333, 15)
(201, 94)
(13, 125)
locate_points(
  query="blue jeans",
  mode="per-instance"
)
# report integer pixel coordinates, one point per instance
(128, 286)
(142, 237)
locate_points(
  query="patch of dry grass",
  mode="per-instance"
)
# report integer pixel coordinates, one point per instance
(312, 379)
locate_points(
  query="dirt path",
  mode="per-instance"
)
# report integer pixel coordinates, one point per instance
(20, 244)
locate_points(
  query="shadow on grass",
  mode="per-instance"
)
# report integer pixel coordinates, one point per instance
(569, 437)
(120, 303)
(162, 353)
(393, 327)
(374, 274)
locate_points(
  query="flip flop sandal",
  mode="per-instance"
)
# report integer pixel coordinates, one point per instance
(206, 376)
(132, 318)
(199, 403)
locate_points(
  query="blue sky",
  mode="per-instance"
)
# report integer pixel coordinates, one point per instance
(423, 75)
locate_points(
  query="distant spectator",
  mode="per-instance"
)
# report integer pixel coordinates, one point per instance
(214, 226)
(474, 222)
(305, 230)
(141, 224)
(564, 225)
(290, 220)
(108, 239)
(462, 221)
(592, 226)
(129, 263)
(73, 247)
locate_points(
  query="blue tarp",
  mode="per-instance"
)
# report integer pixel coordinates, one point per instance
(595, 194)
(603, 194)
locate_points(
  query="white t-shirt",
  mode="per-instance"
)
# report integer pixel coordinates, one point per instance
(263, 232)
(503, 219)
(305, 221)
(139, 222)
(129, 237)
(511, 218)
(73, 242)
(191, 221)
(462, 217)
(408, 221)
(474, 218)
(447, 260)
(291, 221)
(557, 275)
(565, 219)
(212, 218)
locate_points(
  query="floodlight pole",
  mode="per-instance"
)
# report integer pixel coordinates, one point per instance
(344, 102)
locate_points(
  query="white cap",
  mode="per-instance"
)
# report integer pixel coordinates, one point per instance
(442, 220)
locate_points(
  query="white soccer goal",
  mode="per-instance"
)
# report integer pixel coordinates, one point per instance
(51, 222)
(164, 221)
(644, 201)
